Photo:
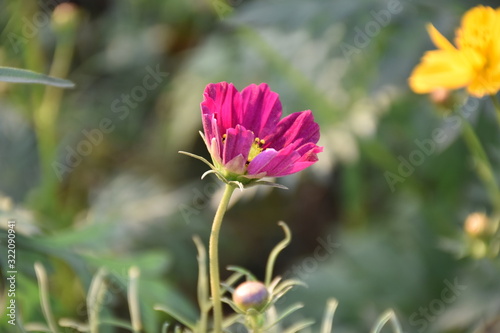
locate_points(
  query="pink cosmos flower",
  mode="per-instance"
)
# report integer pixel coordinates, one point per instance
(246, 137)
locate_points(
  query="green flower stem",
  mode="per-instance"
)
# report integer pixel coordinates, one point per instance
(496, 103)
(46, 115)
(483, 166)
(213, 254)
(133, 299)
(43, 285)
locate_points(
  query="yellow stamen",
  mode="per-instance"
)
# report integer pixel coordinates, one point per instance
(255, 150)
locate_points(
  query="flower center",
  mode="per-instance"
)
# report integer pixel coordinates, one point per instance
(256, 149)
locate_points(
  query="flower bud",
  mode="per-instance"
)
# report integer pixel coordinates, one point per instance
(476, 224)
(440, 96)
(251, 294)
(65, 16)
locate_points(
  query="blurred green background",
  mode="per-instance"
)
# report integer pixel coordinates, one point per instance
(93, 178)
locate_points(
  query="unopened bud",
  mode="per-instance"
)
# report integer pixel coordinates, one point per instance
(251, 294)
(476, 224)
(440, 96)
(65, 16)
(445, 100)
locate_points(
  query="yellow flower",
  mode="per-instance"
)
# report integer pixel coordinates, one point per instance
(473, 63)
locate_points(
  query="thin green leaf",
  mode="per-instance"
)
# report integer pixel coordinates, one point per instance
(331, 306)
(203, 297)
(117, 323)
(286, 285)
(227, 285)
(43, 285)
(95, 294)
(230, 320)
(232, 305)
(276, 251)
(20, 325)
(133, 299)
(17, 75)
(384, 318)
(68, 322)
(37, 327)
(288, 311)
(180, 318)
(244, 271)
(274, 283)
(268, 183)
(204, 160)
(299, 326)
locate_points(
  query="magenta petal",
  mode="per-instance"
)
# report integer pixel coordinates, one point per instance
(272, 163)
(283, 161)
(289, 145)
(259, 163)
(238, 142)
(212, 137)
(222, 101)
(307, 159)
(286, 161)
(298, 127)
(261, 109)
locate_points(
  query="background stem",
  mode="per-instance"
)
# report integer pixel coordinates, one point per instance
(496, 104)
(483, 166)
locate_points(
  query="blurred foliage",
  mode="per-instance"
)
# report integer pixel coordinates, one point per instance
(125, 197)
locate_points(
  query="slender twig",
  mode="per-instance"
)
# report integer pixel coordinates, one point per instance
(213, 254)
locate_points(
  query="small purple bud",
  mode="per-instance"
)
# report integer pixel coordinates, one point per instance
(251, 294)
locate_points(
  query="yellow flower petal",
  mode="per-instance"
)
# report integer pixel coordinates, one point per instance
(439, 40)
(494, 47)
(477, 28)
(485, 83)
(441, 69)
(475, 61)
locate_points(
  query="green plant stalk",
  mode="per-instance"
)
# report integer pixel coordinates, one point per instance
(253, 322)
(484, 169)
(496, 219)
(496, 104)
(95, 295)
(213, 254)
(43, 285)
(45, 116)
(133, 299)
(203, 300)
